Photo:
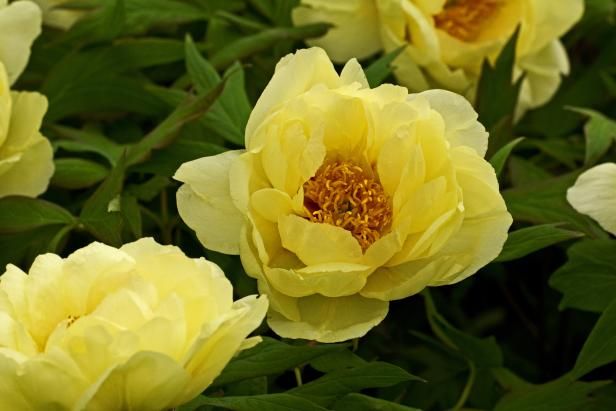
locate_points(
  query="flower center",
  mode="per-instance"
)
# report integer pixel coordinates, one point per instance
(342, 194)
(463, 18)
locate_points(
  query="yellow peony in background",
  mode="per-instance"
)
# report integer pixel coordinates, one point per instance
(447, 40)
(26, 157)
(348, 197)
(142, 327)
(20, 24)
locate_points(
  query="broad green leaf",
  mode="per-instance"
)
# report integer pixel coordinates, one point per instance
(600, 347)
(229, 114)
(600, 133)
(80, 141)
(588, 279)
(499, 158)
(277, 11)
(497, 94)
(337, 361)
(525, 172)
(129, 207)
(191, 109)
(360, 402)
(148, 190)
(267, 402)
(76, 173)
(271, 357)
(25, 213)
(559, 395)
(379, 70)
(247, 46)
(544, 202)
(531, 239)
(23, 246)
(98, 215)
(481, 352)
(325, 390)
(561, 150)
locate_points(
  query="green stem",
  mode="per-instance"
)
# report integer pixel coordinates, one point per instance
(298, 376)
(467, 388)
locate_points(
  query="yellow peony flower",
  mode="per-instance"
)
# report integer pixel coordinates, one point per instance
(594, 194)
(56, 16)
(20, 24)
(26, 157)
(348, 197)
(142, 327)
(447, 41)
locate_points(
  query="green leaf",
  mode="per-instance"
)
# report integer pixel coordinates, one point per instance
(229, 115)
(98, 217)
(588, 279)
(499, 158)
(129, 207)
(528, 240)
(380, 69)
(86, 141)
(545, 202)
(325, 390)
(76, 173)
(561, 150)
(271, 357)
(165, 132)
(267, 402)
(600, 347)
(600, 133)
(497, 95)
(337, 361)
(25, 213)
(360, 402)
(559, 395)
(249, 45)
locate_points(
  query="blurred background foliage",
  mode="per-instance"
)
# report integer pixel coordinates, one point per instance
(140, 86)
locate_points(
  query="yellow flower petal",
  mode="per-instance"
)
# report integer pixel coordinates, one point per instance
(20, 24)
(327, 320)
(594, 194)
(205, 202)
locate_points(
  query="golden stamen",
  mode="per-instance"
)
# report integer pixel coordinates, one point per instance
(343, 194)
(463, 19)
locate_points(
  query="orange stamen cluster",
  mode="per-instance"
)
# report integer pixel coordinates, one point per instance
(463, 19)
(343, 194)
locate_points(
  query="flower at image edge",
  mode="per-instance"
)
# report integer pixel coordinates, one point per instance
(348, 197)
(20, 24)
(26, 156)
(142, 327)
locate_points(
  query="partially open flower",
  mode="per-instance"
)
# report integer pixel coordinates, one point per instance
(594, 194)
(348, 197)
(447, 40)
(20, 24)
(142, 327)
(26, 157)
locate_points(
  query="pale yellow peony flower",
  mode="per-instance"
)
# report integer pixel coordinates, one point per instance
(56, 16)
(447, 41)
(348, 197)
(20, 24)
(594, 194)
(26, 157)
(142, 328)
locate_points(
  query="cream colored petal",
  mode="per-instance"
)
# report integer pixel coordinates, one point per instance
(26, 118)
(148, 381)
(317, 243)
(461, 125)
(20, 24)
(55, 16)
(330, 280)
(294, 75)
(6, 104)
(212, 352)
(352, 72)
(542, 71)
(30, 176)
(594, 194)
(545, 21)
(355, 32)
(331, 319)
(205, 202)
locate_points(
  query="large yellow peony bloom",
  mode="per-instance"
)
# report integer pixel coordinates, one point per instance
(20, 24)
(142, 327)
(447, 41)
(348, 197)
(26, 157)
